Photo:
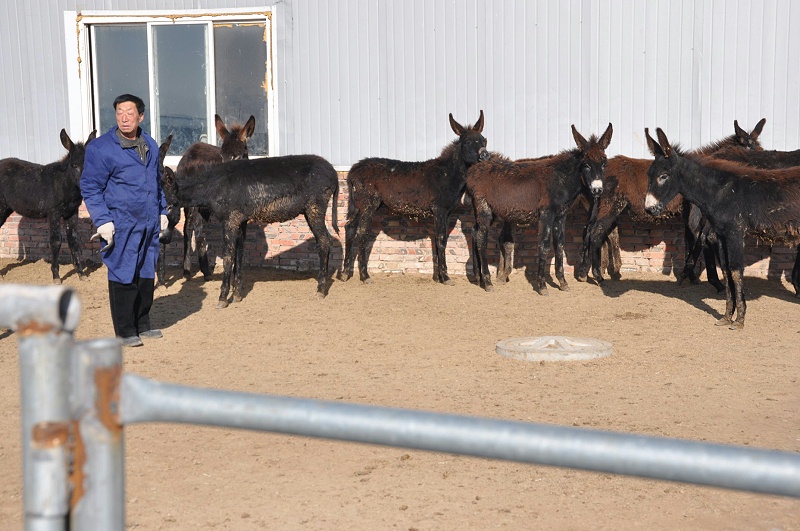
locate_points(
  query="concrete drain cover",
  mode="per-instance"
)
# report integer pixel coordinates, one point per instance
(553, 348)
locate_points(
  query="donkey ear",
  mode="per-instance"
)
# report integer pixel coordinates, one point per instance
(92, 136)
(164, 148)
(579, 140)
(478, 127)
(222, 131)
(605, 140)
(66, 141)
(248, 129)
(741, 134)
(757, 129)
(457, 127)
(662, 139)
(652, 145)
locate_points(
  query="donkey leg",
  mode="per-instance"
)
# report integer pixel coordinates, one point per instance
(316, 222)
(362, 234)
(55, 246)
(188, 233)
(506, 265)
(202, 244)
(350, 243)
(558, 244)
(439, 249)
(229, 235)
(545, 237)
(737, 276)
(483, 220)
(71, 226)
(161, 266)
(710, 257)
(238, 263)
(727, 317)
(614, 254)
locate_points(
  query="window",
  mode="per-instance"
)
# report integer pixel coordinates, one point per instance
(185, 67)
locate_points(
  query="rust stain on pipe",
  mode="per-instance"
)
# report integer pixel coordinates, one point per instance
(48, 435)
(76, 475)
(32, 328)
(107, 380)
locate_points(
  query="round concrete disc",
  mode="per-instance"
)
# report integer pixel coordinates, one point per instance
(553, 348)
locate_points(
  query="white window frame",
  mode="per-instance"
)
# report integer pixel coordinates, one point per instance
(79, 87)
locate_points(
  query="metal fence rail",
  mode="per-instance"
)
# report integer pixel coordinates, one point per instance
(76, 402)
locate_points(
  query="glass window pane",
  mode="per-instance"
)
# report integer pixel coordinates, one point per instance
(240, 61)
(121, 68)
(180, 84)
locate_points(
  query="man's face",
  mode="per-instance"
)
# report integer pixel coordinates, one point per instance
(128, 119)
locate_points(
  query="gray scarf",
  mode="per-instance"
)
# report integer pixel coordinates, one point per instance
(139, 143)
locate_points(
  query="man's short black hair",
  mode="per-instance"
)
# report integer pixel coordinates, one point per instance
(130, 97)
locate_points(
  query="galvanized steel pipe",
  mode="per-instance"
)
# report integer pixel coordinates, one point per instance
(772, 472)
(44, 318)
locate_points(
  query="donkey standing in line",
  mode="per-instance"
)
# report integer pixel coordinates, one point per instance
(49, 191)
(197, 158)
(735, 199)
(267, 190)
(626, 182)
(432, 188)
(543, 190)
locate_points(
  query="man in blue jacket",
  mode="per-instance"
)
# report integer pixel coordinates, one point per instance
(121, 187)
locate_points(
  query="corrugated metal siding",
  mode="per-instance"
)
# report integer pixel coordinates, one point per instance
(364, 78)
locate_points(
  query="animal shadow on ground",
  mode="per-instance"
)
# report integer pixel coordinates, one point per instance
(256, 247)
(405, 229)
(696, 295)
(90, 265)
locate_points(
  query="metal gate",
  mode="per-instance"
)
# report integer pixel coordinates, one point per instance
(76, 401)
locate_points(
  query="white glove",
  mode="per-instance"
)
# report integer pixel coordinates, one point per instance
(164, 222)
(106, 232)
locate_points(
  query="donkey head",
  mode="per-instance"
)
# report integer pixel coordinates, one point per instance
(663, 176)
(471, 141)
(593, 159)
(170, 187)
(234, 141)
(749, 140)
(73, 161)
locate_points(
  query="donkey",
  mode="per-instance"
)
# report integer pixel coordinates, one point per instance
(198, 157)
(265, 190)
(51, 191)
(541, 189)
(415, 189)
(626, 182)
(736, 199)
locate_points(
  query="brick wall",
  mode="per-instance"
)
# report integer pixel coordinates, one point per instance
(403, 245)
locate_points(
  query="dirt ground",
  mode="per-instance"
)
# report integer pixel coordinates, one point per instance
(406, 342)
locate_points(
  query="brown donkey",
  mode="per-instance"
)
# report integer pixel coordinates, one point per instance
(543, 190)
(415, 189)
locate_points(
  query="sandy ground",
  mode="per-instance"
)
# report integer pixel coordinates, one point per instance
(406, 342)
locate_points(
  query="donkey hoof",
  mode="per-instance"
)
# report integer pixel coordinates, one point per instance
(367, 280)
(321, 295)
(208, 277)
(723, 321)
(57, 281)
(543, 291)
(488, 288)
(563, 286)
(736, 325)
(237, 298)
(448, 282)
(222, 304)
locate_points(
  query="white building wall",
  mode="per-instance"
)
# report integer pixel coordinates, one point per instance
(360, 78)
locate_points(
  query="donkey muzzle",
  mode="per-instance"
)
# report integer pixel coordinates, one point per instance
(596, 188)
(653, 206)
(483, 154)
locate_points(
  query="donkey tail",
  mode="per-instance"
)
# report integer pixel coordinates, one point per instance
(334, 216)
